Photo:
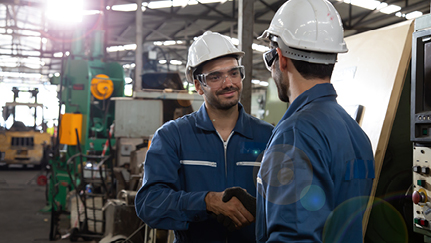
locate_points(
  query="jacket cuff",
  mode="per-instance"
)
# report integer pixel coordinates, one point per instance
(196, 207)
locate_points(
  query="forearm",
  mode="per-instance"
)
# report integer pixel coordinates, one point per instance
(161, 207)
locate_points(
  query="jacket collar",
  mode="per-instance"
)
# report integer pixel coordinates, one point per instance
(242, 125)
(308, 96)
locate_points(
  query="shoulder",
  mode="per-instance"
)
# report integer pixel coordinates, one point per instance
(257, 123)
(172, 130)
(178, 123)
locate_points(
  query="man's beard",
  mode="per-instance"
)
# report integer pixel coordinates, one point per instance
(282, 88)
(214, 101)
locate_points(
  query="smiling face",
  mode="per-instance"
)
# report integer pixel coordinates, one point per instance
(228, 94)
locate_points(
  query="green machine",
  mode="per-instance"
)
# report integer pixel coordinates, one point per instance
(81, 158)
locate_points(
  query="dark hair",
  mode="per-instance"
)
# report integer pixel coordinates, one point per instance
(310, 70)
(200, 66)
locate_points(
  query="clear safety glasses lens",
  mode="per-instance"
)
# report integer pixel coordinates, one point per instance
(269, 58)
(217, 78)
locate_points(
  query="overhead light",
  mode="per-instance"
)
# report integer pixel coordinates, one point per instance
(368, 4)
(399, 14)
(127, 47)
(20, 75)
(256, 47)
(127, 7)
(162, 4)
(381, 6)
(91, 12)
(263, 83)
(58, 54)
(168, 4)
(414, 14)
(168, 43)
(130, 47)
(175, 62)
(258, 82)
(390, 9)
(180, 3)
(235, 41)
(259, 48)
(64, 11)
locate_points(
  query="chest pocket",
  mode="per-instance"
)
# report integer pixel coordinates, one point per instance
(198, 163)
(200, 172)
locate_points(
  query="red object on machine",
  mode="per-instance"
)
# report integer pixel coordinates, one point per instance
(418, 197)
(42, 180)
(105, 147)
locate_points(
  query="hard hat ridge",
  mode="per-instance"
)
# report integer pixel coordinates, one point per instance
(311, 26)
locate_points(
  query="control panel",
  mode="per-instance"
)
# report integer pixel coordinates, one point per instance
(420, 125)
(422, 187)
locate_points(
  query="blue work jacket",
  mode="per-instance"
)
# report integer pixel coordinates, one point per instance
(316, 174)
(187, 159)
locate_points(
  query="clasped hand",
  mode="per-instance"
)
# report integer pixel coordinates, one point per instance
(234, 207)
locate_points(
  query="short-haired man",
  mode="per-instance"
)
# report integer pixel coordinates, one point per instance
(318, 169)
(194, 159)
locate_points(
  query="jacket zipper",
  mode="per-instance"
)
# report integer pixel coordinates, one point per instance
(225, 150)
(225, 157)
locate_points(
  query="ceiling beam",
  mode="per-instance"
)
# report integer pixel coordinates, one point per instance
(168, 15)
(411, 7)
(213, 8)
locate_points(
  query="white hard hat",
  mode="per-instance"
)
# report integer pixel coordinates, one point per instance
(206, 47)
(308, 25)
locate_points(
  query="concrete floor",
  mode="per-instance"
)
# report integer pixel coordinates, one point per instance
(21, 200)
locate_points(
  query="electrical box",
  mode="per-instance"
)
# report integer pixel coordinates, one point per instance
(421, 126)
(69, 123)
(137, 118)
(421, 82)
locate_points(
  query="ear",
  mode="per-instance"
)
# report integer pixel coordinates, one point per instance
(282, 60)
(198, 87)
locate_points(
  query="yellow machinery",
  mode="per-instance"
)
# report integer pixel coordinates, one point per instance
(21, 144)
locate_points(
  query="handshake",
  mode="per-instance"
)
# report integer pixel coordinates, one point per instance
(234, 208)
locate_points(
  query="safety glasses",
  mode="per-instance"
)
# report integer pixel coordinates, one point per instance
(216, 78)
(269, 58)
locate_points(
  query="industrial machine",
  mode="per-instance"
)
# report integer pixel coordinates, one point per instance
(81, 165)
(421, 126)
(21, 144)
(96, 162)
(136, 119)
